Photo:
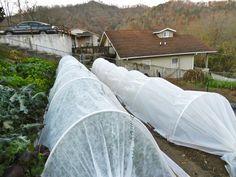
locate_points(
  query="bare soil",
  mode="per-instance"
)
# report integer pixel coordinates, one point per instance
(194, 162)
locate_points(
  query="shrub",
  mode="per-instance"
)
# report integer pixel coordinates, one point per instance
(16, 55)
(193, 75)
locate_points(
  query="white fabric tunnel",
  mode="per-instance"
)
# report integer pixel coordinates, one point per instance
(195, 119)
(90, 134)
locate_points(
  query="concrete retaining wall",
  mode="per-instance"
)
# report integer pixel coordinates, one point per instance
(222, 78)
(58, 44)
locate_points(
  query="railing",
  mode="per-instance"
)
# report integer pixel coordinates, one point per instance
(104, 51)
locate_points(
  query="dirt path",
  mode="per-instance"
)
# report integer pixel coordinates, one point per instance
(195, 163)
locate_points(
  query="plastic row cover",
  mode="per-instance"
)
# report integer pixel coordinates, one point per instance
(75, 94)
(199, 120)
(89, 134)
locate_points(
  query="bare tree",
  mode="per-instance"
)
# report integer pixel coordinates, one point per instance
(7, 9)
(19, 9)
(30, 9)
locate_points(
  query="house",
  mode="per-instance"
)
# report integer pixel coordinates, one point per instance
(84, 38)
(162, 52)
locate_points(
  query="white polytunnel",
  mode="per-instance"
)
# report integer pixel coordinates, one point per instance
(200, 120)
(90, 134)
(68, 70)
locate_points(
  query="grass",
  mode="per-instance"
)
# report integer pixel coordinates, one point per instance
(222, 84)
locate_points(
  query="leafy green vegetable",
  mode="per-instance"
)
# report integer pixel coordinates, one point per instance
(30, 71)
(24, 85)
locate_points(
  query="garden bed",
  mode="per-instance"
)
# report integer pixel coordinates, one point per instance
(24, 85)
(194, 162)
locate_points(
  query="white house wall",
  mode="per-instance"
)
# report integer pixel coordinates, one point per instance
(95, 40)
(159, 66)
(161, 35)
(111, 49)
(185, 61)
(106, 42)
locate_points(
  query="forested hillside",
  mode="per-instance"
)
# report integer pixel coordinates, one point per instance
(93, 16)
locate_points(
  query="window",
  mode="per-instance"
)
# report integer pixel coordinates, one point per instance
(166, 34)
(23, 25)
(175, 62)
(33, 24)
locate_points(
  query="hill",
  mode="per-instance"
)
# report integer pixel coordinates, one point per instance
(93, 15)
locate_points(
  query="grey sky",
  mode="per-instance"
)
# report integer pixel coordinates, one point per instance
(119, 3)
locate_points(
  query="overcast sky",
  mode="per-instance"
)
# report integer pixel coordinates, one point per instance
(119, 3)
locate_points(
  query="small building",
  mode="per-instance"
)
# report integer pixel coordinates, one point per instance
(83, 38)
(163, 52)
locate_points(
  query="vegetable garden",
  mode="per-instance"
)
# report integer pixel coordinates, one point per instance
(24, 85)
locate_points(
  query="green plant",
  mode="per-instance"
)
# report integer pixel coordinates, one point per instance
(2, 14)
(16, 55)
(222, 62)
(31, 70)
(20, 120)
(23, 88)
(222, 84)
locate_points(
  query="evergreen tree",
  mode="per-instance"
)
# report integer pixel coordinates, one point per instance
(2, 14)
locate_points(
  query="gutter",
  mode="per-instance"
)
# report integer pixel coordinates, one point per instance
(164, 55)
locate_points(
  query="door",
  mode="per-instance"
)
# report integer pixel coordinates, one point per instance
(34, 27)
(22, 28)
(175, 63)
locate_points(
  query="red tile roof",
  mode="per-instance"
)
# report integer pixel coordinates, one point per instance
(143, 43)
